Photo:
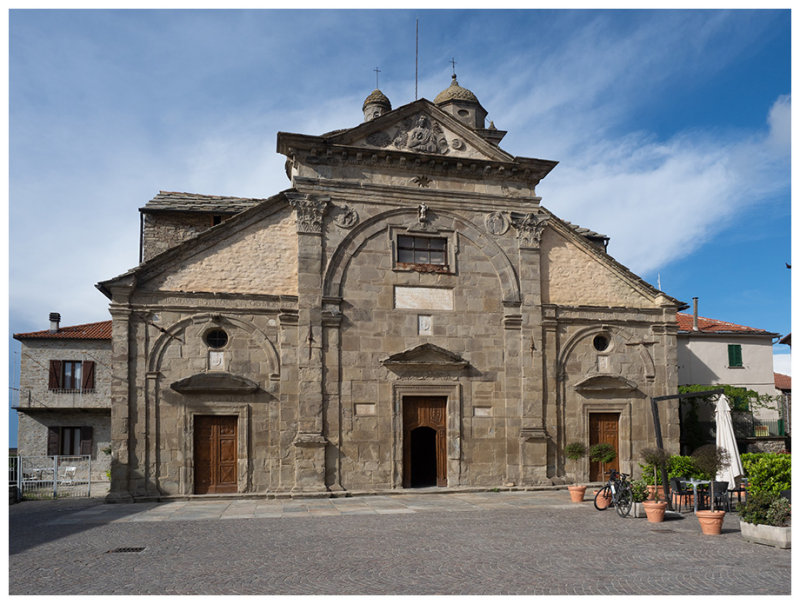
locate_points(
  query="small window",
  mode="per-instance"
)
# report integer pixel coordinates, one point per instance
(216, 219)
(735, 355)
(422, 250)
(69, 440)
(216, 338)
(71, 376)
(600, 342)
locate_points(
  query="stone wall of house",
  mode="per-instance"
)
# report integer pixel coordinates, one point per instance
(33, 429)
(261, 258)
(164, 230)
(35, 371)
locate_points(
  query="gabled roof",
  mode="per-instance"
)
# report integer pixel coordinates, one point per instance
(204, 238)
(173, 201)
(706, 325)
(87, 331)
(783, 382)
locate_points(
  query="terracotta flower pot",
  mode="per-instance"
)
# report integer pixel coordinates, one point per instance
(577, 493)
(655, 510)
(710, 522)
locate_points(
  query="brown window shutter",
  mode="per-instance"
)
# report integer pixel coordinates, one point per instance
(53, 434)
(86, 440)
(54, 381)
(87, 375)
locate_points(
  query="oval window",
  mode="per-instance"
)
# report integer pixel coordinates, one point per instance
(216, 338)
(463, 112)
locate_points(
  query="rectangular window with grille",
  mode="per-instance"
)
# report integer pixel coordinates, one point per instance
(422, 250)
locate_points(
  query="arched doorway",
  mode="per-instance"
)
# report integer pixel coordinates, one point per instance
(424, 441)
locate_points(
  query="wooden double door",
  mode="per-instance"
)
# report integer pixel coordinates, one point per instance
(603, 428)
(215, 457)
(424, 441)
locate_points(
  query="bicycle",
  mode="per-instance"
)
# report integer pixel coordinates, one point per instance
(618, 491)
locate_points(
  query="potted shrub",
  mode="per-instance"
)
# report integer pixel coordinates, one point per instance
(711, 459)
(603, 453)
(639, 492)
(765, 518)
(655, 508)
(574, 452)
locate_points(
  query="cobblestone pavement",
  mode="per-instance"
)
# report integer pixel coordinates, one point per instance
(421, 543)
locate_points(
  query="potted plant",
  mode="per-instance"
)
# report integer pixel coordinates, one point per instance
(639, 492)
(655, 508)
(574, 452)
(603, 453)
(766, 518)
(711, 459)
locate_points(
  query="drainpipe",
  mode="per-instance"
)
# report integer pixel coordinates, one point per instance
(694, 319)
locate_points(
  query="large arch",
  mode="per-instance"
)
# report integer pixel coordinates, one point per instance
(340, 260)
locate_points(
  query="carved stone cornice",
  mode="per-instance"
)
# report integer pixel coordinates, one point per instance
(310, 211)
(532, 434)
(529, 229)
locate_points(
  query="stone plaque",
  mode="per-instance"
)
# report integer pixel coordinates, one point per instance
(482, 411)
(423, 298)
(425, 324)
(216, 360)
(365, 409)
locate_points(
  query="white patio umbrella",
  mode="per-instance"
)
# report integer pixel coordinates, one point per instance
(726, 439)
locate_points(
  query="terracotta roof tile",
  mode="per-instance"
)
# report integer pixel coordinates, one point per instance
(87, 331)
(783, 382)
(706, 325)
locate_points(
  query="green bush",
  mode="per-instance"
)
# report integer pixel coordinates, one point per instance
(767, 472)
(678, 466)
(765, 508)
(639, 490)
(575, 451)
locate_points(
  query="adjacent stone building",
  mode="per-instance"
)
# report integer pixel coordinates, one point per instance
(405, 314)
(64, 403)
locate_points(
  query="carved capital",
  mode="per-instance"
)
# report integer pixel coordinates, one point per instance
(310, 211)
(529, 229)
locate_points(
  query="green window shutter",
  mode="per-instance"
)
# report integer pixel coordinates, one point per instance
(734, 355)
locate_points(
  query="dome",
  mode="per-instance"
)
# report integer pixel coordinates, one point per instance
(376, 97)
(454, 92)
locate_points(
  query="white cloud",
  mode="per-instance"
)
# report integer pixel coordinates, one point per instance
(782, 363)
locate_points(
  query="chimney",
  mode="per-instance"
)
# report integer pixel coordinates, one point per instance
(694, 319)
(55, 319)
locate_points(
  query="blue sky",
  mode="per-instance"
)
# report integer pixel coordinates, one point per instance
(671, 129)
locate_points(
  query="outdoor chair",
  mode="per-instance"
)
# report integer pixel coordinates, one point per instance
(721, 499)
(679, 491)
(68, 475)
(740, 488)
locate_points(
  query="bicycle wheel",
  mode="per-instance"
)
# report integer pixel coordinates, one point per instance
(602, 498)
(624, 501)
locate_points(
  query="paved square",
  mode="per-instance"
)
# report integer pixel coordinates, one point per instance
(417, 543)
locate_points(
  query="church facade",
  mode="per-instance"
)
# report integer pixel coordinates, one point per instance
(406, 314)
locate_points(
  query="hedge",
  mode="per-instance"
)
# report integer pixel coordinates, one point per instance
(767, 472)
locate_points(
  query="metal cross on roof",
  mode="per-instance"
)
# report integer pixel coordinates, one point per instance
(377, 71)
(453, 62)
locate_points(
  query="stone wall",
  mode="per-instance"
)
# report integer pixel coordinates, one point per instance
(261, 258)
(164, 230)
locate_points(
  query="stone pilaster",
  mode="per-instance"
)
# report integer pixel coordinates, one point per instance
(120, 395)
(309, 441)
(332, 401)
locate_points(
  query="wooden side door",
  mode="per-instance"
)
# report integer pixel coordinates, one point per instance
(215, 457)
(425, 412)
(603, 428)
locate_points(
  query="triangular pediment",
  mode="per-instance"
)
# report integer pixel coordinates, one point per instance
(426, 356)
(420, 127)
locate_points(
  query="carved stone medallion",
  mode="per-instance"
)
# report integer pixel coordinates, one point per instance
(496, 223)
(346, 217)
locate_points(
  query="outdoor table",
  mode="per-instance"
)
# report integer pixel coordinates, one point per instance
(695, 482)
